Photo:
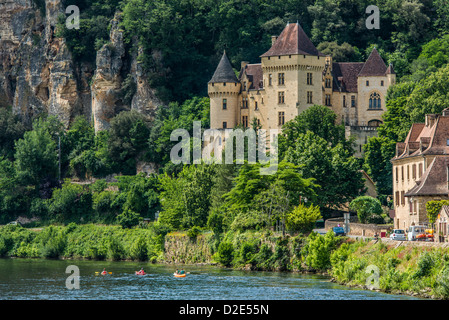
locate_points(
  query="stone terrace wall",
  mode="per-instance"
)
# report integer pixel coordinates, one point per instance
(357, 229)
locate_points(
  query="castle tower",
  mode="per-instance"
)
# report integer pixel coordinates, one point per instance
(224, 90)
(293, 75)
(391, 75)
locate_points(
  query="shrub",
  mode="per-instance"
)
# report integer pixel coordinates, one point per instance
(139, 250)
(317, 250)
(225, 253)
(54, 248)
(303, 218)
(115, 249)
(263, 258)
(424, 266)
(128, 219)
(193, 232)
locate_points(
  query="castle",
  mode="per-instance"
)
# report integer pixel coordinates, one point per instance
(292, 76)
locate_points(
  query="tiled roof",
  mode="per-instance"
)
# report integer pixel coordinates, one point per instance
(433, 181)
(255, 75)
(292, 40)
(224, 72)
(426, 138)
(347, 72)
(374, 65)
(390, 70)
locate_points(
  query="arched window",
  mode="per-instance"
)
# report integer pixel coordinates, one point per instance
(374, 101)
(374, 123)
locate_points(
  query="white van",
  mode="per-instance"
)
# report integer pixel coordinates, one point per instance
(413, 231)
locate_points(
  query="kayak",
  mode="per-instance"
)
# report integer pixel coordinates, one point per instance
(140, 273)
(104, 273)
(179, 275)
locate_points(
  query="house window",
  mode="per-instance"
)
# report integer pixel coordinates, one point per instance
(309, 97)
(396, 196)
(270, 79)
(309, 78)
(419, 170)
(397, 174)
(408, 172)
(402, 198)
(374, 101)
(353, 101)
(414, 172)
(225, 104)
(225, 124)
(281, 118)
(245, 121)
(281, 97)
(280, 78)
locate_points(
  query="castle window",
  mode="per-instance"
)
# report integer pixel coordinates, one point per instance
(281, 118)
(382, 83)
(244, 86)
(344, 101)
(281, 97)
(327, 100)
(225, 124)
(244, 103)
(374, 123)
(374, 101)
(367, 83)
(225, 104)
(245, 121)
(309, 78)
(270, 79)
(353, 101)
(224, 84)
(328, 83)
(309, 97)
(256, 107)
(280, 78)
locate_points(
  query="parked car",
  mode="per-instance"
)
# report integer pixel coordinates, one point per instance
(339, 231)
(414, 232)
(398, 234)
(15, 223)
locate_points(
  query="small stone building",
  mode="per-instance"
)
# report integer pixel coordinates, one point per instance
(441, 225)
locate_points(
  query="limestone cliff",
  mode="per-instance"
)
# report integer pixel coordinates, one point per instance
(38, 74)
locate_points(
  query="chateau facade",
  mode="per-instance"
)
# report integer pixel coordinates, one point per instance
(292, 76)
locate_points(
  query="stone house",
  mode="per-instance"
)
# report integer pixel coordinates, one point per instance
(292, 76)
(420, 170)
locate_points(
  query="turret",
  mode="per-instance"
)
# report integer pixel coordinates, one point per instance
(391, 75)
(223, 90)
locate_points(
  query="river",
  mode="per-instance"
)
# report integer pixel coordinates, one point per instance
(38, 279)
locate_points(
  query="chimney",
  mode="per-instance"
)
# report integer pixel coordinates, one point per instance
(273, 39)
(430, 119)
(445, 112)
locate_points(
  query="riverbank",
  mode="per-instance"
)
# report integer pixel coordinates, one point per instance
(415, 270)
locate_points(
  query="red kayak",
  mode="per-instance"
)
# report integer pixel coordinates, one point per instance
(140, 273)
(104, 273)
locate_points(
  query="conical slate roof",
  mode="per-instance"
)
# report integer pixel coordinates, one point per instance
(224, 72)
(390, 70)
(292, 40)
(374, 65)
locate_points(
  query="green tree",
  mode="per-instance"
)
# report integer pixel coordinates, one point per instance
(335, 170)
(367, 208)
(36, 155)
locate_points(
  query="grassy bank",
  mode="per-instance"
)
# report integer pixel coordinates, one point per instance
(412, 270)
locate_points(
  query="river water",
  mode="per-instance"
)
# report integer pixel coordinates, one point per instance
(36, 279)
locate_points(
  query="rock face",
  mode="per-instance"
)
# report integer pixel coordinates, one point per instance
(38, 74)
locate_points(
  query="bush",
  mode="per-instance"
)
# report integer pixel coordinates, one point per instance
(128, 219)
(225, 253)
(318, 249)
(303, 218)
(139, 250)
(193, 232)
(263, 258)
(115, 249)
(424, 266)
